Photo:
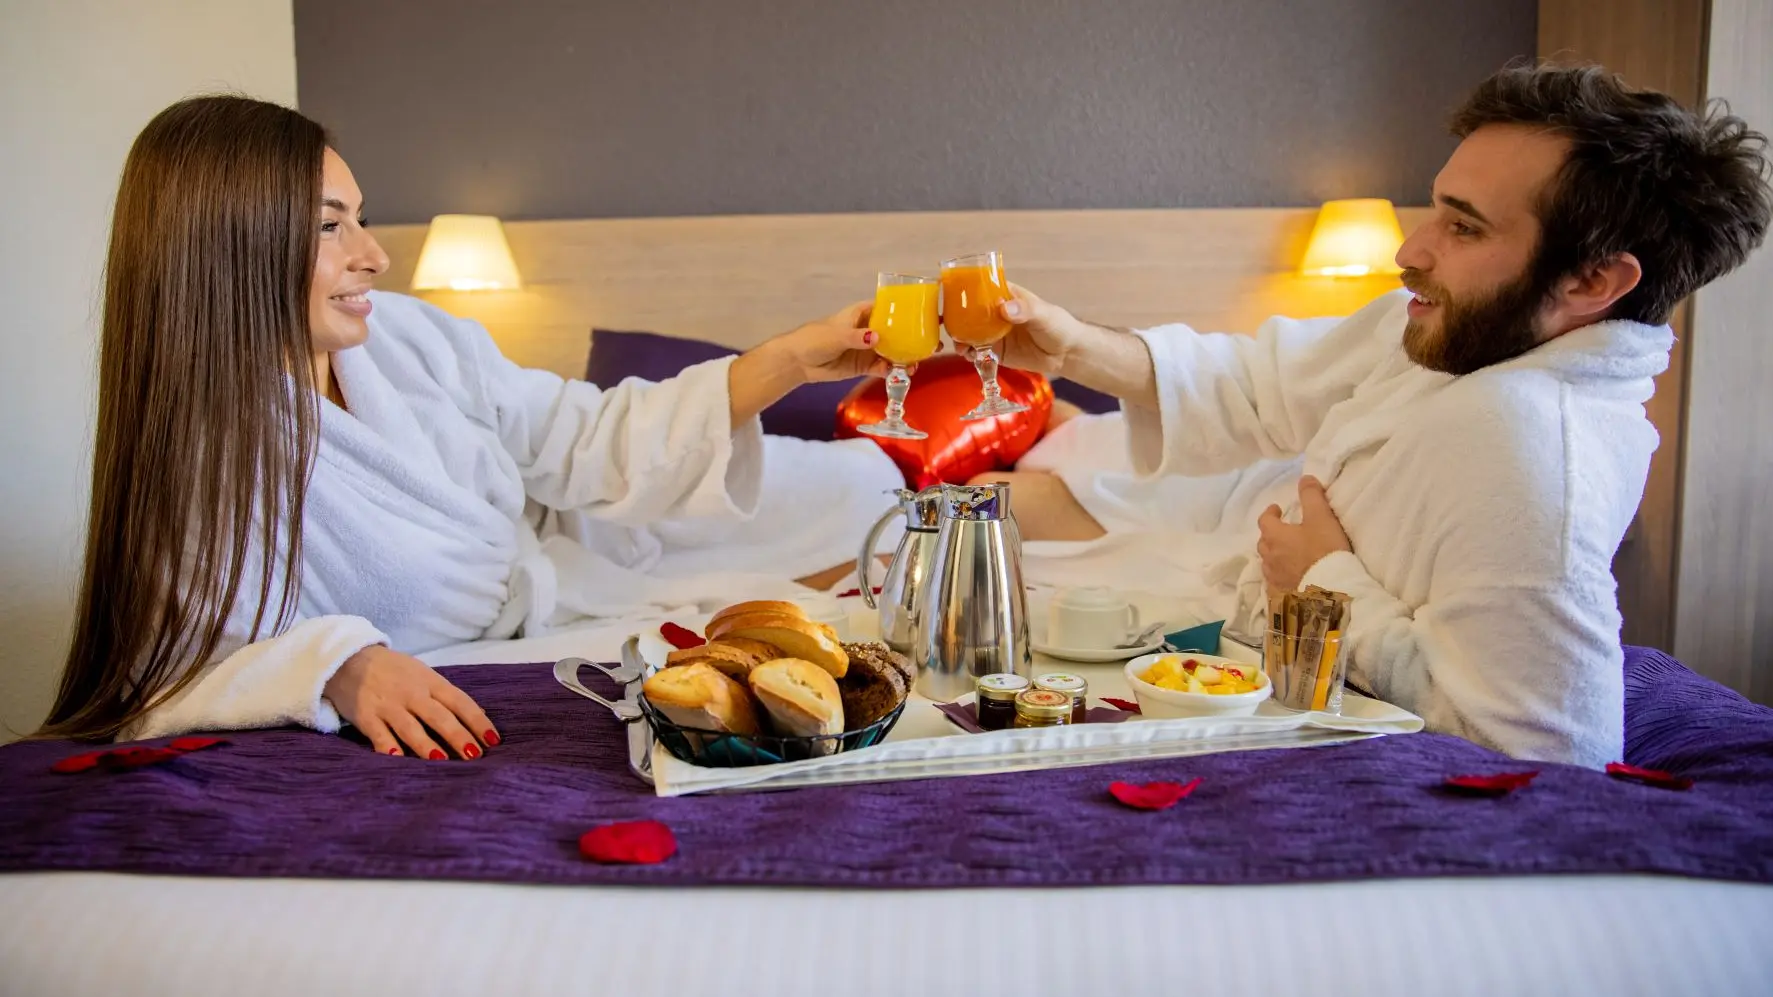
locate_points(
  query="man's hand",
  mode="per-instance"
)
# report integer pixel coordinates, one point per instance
(394, 698)
(1289, 551)
(1040, 334)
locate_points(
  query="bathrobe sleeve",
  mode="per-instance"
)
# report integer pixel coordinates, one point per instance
(272, 682)
(1516, 646)
(634, 453)
(1226, 401)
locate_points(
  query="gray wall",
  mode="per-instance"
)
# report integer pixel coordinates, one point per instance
(530, 109)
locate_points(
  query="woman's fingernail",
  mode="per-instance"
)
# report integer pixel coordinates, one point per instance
(394, 751)
(470, 750)
(436, 755)
(868, 338)
(491, 738)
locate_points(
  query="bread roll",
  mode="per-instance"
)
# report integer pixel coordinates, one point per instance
(772, 607)
(796, 636)
(734, 661)
(701, 696)
(764, 652)
(877, 682)
(800, 697)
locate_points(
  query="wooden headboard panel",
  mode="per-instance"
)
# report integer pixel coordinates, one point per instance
(737, 280)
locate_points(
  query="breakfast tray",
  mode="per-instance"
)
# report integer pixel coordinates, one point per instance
(922, 748)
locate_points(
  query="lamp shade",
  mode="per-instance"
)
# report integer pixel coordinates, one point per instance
(1354, 238)
(466, 253)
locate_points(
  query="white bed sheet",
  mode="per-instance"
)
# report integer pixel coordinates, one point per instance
(97, 933)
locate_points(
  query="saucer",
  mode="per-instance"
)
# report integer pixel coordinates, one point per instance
(1097, 654)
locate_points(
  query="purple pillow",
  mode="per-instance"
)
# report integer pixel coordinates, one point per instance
(809, 412)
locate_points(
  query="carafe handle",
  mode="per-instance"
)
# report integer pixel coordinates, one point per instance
(866, 558)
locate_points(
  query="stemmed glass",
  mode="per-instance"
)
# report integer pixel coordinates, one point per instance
(973, 290)
(907, 330)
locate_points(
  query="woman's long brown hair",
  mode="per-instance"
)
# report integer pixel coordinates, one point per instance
(207, 412)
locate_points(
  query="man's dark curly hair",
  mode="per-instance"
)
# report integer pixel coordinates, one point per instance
(1688, 195)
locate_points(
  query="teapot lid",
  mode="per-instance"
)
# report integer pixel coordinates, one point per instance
(1091, 597)
(976, 502)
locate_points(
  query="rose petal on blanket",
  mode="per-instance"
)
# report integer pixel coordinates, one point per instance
(123, 759)
(1649, 777)
(1500, 784)
(1152, 795)
(195, 743)
(1121, 704)
(77, 763)
(682, 638)
(635, 842)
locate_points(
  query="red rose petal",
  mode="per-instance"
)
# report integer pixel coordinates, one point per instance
(195, 743)
(77, 763)
(1649, 777)
(1121, 704)
(681, 638)
(846, 593)
(119, 759)
(1500, 784)
(1152, 795)
(636, 842)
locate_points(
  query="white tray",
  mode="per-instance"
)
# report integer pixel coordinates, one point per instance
(926, 745)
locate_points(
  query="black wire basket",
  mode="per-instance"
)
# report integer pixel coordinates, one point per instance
(726, 750)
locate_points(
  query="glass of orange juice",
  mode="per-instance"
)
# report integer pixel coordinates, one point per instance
(908, 331)
(973, 291)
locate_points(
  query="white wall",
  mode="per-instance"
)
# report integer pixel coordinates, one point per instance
(78, 80)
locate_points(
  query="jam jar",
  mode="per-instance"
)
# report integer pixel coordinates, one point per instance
(996, 700)
(1042, 708)
(1071, 685)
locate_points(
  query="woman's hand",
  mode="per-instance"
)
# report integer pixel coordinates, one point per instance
(835, 348)
(392, 698)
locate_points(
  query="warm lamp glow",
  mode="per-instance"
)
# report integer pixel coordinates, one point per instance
(1354, 238)
(466, 253)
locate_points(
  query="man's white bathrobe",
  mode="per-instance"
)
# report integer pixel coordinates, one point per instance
(1484, 510)
(462, 497)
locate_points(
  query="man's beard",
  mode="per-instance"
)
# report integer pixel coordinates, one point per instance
(1475, 334)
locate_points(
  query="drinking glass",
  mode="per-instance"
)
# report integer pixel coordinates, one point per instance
(907, 330)
(973, 291)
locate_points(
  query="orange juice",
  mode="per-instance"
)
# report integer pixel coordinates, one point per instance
(905, 320)
(970, 300)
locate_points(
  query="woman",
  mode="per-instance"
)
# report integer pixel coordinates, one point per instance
(281, 499)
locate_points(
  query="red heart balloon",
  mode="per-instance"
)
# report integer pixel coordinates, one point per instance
(943, 389)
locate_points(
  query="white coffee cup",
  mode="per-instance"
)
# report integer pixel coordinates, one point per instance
(823, 608)
(1090, 618)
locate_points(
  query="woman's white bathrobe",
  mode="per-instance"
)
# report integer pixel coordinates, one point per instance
(462, 497)
(1484, 510)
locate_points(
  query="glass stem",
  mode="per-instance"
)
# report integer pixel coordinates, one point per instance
(898, 384)
(985, 362)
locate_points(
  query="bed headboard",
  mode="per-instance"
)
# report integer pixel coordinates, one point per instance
(737, 280)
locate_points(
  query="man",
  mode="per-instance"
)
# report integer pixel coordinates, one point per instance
(1473, 450)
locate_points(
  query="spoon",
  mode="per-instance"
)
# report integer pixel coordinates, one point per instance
(1144, 636)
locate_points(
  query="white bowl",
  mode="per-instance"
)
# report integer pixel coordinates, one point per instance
(1160, 703)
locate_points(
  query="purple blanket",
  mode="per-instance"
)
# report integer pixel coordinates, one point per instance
(293, 803)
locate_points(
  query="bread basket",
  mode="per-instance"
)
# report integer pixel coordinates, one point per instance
(723, 749)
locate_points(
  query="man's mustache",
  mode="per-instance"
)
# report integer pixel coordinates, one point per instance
(1417, 284)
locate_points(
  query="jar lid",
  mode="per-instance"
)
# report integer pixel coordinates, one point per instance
(1001, 685)
(1062, 682)
(1043, 704)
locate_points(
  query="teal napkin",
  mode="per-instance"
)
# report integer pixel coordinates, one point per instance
(1203, 639)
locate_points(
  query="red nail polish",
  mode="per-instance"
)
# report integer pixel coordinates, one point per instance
(470, 750)
(491, 738)
(436, 755)
(868, 339)
(394, 751)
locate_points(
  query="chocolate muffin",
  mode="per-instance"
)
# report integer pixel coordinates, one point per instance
(878, 680)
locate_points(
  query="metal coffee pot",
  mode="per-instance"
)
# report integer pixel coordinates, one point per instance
(972, 615)
(898, 601)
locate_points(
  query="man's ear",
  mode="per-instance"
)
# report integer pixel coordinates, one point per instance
(1587, 296)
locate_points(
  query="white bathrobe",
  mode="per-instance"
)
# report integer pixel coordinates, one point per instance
(462, 497)
(1484, 510)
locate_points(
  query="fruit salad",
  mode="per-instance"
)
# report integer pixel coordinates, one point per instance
(1180, 673)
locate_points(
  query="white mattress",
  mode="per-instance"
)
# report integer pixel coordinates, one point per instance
(91, 933)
